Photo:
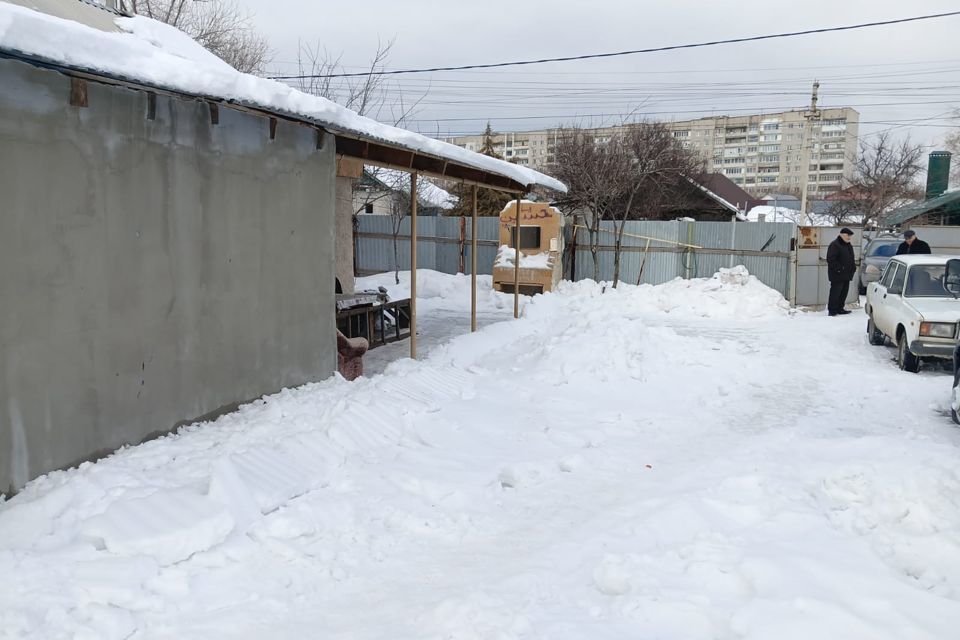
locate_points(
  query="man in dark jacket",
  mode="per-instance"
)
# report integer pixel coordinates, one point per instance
(912, 244)
(841, 265)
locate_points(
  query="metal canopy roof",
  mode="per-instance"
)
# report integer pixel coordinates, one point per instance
(949, 202)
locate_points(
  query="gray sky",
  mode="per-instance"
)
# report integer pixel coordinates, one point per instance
(892, 75)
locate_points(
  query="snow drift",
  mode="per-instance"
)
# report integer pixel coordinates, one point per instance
(616, 463)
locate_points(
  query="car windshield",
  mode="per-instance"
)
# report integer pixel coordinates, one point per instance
(926, 281)
(883, 249)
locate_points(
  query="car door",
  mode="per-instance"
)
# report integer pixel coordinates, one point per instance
(893, 305)
(880, 300)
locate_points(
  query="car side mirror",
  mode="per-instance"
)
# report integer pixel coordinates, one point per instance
(951, 277)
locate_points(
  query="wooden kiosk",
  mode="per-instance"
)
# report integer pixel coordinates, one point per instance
(541, 248)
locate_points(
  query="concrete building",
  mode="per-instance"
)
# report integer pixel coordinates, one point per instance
(761, 153)
(168, 231)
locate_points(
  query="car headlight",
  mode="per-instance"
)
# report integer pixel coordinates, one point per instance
(938, 329)
(872, 270)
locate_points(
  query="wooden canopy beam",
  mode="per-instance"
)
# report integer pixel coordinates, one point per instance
(380, 155)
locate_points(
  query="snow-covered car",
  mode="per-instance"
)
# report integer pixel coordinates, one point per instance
(876, 255)
(911, 306)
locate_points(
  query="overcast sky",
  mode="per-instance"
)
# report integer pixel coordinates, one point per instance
(891, 74)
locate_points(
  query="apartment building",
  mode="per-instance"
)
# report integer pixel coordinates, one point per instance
(531, 148)
(762, 153)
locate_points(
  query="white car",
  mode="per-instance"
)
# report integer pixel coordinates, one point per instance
(910, 306)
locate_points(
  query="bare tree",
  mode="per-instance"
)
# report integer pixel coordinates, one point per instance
(885, 173)
(369, 95)
(391, 188)
(660, 171)
(640, 171)
(400, 207)
(843, 212)
(489, 202)
(596, 175)
(220, 26)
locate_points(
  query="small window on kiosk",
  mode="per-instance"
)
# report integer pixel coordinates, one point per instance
(529, 237)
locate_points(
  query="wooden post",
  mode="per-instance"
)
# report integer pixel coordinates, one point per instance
(462, 245)
(643, 262)
(516, 263)
(413, 265)
(573, 251)
(473, 264)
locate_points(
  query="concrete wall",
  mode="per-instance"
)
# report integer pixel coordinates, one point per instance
(153, 271)
(344, 227)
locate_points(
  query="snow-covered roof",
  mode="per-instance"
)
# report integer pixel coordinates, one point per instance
(88, 12)
(771, 214)
(788, 214)
(427, 192)
(153, 54)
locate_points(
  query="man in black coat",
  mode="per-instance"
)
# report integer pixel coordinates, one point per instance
(841, 265)
(912, 244)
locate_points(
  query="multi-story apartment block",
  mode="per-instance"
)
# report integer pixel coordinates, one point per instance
(532, 148)
(762, 153)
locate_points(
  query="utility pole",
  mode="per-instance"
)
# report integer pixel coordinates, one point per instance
(811, 116)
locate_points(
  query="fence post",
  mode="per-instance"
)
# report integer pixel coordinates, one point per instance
(793, 266)
(516, 261)
(688, 269)
(413, 265)
(733, 242)
(573, 251)
(463, 234)
(643, 262)
(473, 262)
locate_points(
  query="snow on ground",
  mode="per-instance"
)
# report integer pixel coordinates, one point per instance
(443, 310)
(617, 463)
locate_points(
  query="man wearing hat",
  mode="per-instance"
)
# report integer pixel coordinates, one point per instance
(841, 265)
(912, 244)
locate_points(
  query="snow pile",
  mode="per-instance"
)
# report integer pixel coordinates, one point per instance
(507, 257)
(729, 293)
(172, 41)
(153, 55)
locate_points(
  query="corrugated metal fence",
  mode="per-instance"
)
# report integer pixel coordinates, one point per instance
(762, 247)
(438, 244)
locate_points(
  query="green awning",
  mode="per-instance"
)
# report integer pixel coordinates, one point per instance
(947, 203)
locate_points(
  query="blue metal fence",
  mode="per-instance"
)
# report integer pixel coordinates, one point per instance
(655, 246)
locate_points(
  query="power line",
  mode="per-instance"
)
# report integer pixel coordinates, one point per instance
(670, 112)
(695, 45)
(298, 63)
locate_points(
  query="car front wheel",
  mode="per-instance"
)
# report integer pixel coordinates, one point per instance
(875, 336)
(907, 360)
